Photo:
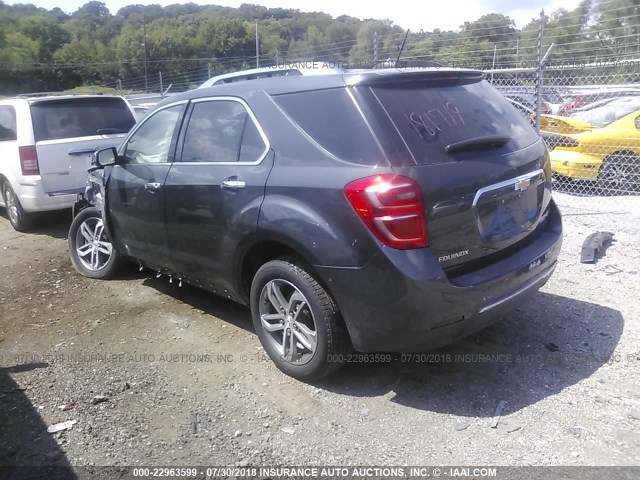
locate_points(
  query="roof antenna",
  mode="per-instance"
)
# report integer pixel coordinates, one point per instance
(401, 49)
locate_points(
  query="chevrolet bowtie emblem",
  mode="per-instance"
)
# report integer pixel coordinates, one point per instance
(523, 184)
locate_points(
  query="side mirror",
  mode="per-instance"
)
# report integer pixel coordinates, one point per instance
(105, 157)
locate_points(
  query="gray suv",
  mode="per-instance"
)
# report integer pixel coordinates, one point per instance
(381, 211)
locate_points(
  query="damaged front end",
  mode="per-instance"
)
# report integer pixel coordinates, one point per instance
(93, 195)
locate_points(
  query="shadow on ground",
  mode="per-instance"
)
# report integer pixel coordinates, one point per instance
(53, 224)
(545, 346)
(27, 450)
(219, 307)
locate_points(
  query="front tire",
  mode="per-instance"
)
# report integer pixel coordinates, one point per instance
(20, 220)
(297, 320)
(91, 251)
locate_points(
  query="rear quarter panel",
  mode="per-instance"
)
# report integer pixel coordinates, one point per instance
(9, 158)
(305, 207)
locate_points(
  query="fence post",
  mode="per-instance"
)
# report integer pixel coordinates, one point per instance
(257, 46)
(375, 49)
(493, 65)
(540, 71)
(161, 89)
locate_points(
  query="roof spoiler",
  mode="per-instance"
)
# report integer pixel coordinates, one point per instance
(409, 75)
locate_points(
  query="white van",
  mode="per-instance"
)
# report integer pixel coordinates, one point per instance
(46, 144)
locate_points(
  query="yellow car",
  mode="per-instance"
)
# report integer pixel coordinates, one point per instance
(600, 143)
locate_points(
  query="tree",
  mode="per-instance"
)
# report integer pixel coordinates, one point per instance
(493, 27)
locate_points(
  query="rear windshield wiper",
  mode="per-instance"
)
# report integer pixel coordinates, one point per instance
(494, 141)
(111, 131)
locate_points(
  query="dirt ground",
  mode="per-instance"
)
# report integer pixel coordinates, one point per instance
(160, 374)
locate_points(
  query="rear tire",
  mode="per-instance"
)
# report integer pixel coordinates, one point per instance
(20, 220)
(619, 173)
(297, 321)
(91, 251)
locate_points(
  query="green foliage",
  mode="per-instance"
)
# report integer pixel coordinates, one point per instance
(95, 89)
(44, 49)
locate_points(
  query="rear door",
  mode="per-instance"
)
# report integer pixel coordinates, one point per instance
(67, 131)
(135, 193)
(482, 168)
(215, 191)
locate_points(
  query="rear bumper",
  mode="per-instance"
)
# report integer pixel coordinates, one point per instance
(403, 302)
(34, 199)
(576, 165)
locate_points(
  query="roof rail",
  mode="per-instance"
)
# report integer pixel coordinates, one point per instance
(294, 68)
(47, 94)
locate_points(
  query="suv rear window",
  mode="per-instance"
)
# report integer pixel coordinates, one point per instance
(80, 117)
(332, 120)
(431, 117)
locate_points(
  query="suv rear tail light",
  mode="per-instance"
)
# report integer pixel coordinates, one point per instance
(391, 207)
(29, 160)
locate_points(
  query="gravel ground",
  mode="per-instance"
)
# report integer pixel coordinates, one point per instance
(159, 374)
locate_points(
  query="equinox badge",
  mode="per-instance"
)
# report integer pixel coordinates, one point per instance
(451, 256)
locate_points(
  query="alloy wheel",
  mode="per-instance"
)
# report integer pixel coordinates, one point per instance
(12, 205)
(288, 321)
(616, 175)
(92, 246)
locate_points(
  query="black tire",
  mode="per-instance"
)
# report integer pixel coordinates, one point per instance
(619, 173)
(331, 338)
(20, 220)
(96, 263)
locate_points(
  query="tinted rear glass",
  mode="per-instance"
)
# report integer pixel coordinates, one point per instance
(430, 118)
(80, 117)
(7, 123)
(331, 119)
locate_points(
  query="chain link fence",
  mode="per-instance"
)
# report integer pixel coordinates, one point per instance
(578, 86)
(589, 116)
(590, 120)
(586, 105)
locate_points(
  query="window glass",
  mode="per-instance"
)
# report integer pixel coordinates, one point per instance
(252, 144)
(80, 117)
(333, 121)
(221, 131)
(152, 141)
(431, 117)
(609, 112)
(7, 124)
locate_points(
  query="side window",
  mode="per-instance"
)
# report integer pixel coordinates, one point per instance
(221, 131)
(151, 143)
(638, 122)
(7, 123)
(332, 120)
(253, 146)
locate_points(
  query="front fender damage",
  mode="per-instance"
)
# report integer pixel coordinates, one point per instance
(93, 195)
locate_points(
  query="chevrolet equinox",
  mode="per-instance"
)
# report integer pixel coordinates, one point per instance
(380, 211)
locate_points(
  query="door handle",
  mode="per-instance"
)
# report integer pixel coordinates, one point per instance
(232, 184)
(152, 187)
